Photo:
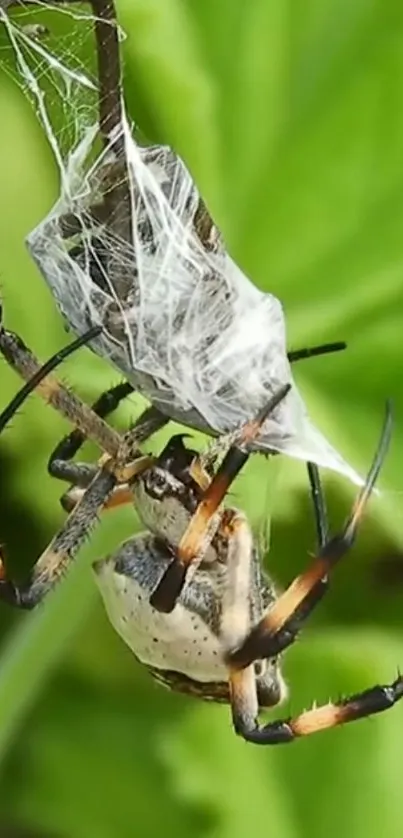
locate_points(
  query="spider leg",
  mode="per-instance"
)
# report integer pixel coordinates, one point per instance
(282, 622)
(242, 681)
(19, 357)
(121, 496)
(54, 562)
(313, 471)
(235, 612)
(241, 591)
(56, 558)
(89, 421)
(312, 351)
(198, 533)
(81, 474)
(243, 703)
(319, 505)
(43, 371)
(235, 609)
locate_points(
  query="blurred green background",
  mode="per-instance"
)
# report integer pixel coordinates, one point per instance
(291, 118)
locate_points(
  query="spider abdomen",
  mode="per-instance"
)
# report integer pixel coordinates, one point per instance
(184, 640)
(181, 649)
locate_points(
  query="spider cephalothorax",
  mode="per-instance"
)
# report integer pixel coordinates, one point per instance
(188, 595)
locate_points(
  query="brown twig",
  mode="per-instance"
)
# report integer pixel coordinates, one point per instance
(117, 195)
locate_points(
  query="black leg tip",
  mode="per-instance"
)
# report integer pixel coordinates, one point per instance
(336, 547)
(10, 594)
(275, 733)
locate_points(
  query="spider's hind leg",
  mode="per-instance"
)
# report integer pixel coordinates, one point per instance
(374, 700)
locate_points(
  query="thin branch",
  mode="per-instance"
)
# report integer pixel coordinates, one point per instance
(117, 195)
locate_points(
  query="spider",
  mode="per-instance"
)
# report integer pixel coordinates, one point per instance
(223, 638)
(122, 460)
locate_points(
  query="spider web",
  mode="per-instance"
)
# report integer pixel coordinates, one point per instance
(179, 318)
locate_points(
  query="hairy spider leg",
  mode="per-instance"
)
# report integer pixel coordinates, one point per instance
(55, 560)
(289, 612)
(243, 704)
(197, 535)
(21, 359)
(89, 424)
(43, 371)
(281, 624)
(81, 474)
(152, 420)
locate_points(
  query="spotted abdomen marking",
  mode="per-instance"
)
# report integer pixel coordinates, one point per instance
(184, 640)
(181, 649)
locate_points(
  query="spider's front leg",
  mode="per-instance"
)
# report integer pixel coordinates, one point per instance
(313, 351)
(42, 372)
(81, 474)
(21, 359)
(195, 539)
(281, 624)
